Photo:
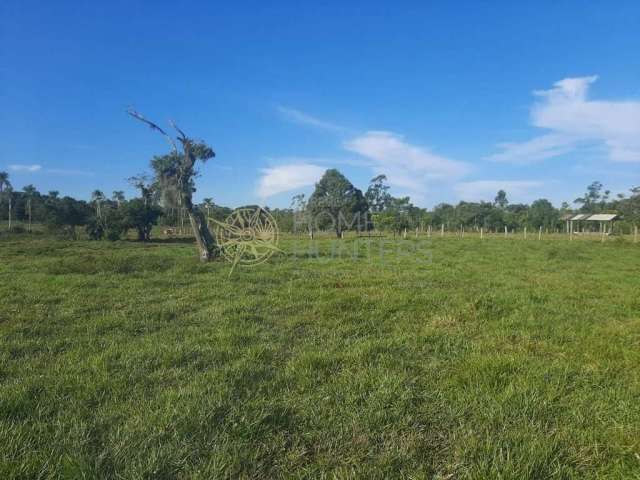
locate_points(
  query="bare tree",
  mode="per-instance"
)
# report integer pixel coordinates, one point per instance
(180, 171)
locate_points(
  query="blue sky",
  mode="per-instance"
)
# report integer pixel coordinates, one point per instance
(452, 100)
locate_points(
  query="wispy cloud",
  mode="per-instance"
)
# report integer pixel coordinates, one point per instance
(25, 168)
(573, 121)
(534, 150)
(406, 165)
(63, 171)
(35, 168)
(284, 178)
(301, 118)
(517, 190)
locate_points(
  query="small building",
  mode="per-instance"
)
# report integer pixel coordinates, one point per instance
(581, 223)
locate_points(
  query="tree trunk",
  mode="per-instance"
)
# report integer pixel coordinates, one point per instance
(204, 240)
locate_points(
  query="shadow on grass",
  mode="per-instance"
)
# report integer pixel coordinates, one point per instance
(165, 241)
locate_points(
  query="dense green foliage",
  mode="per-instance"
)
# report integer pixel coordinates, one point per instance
(336, 204)
(334, 198)
(496, 359)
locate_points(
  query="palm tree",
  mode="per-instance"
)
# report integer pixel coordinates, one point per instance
(4, 181)
(29, 192)
(5, 191)
(97, 197)
(118, 197)
(8, 191)
(208, 205)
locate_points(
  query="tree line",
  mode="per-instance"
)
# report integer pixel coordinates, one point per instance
(335, 205)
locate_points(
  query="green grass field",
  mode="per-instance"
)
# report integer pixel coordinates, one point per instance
(494, 359)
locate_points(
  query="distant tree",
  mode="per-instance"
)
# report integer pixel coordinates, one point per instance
(501, 199)
(54, 194)
(141, 216)
(30, 193)
(111, 225)
(118, 197)
(97, 197)
(444, 214)
(208, 204)
(283, 217)
(543, 214)
(8, 195)
(4, 181)
(396, 217)
(178, 171)
(630, 207)
(66, 214)
(144, 186)
(335, 202)
(301, 213)
(377, 194)
(592, 199)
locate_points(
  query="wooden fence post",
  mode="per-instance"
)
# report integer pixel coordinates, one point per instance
(571, 232)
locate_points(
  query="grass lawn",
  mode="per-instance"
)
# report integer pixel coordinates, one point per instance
(488, 359)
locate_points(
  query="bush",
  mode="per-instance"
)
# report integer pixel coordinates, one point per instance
(94, 229)
(64, 215)
(141, 216)
(111, 226)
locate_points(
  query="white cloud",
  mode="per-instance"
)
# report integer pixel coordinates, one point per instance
(574, 120)
(25, 168)
(407, 166)
(302, 118)
(536, 149)
(35, 168)
(63, 171)
(517, 190)
(289, 177)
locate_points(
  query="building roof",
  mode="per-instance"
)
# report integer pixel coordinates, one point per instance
(581, 216)
(602, 217)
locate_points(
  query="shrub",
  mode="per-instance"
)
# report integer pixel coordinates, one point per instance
(110, 226)
(142, 216)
